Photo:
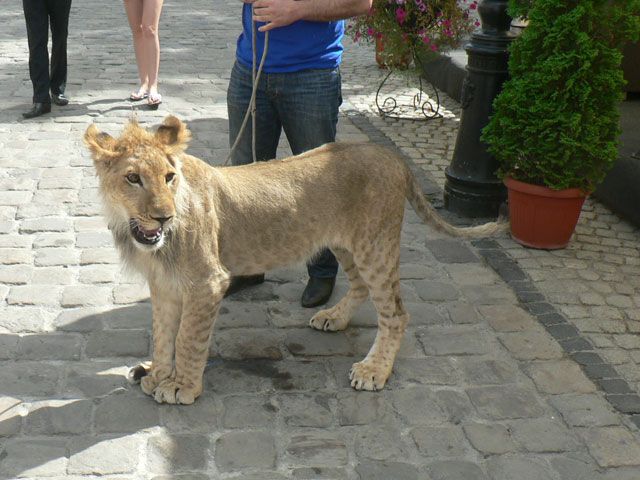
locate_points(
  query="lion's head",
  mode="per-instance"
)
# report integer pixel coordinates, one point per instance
(140, 179)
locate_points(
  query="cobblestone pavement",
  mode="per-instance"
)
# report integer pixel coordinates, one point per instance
(494, 380)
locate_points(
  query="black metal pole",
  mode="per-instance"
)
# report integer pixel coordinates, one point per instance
(471, 187)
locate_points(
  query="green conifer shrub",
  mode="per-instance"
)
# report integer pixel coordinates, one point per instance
(555, 123)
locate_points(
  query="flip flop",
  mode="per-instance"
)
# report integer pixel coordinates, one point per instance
(154, 100)
(139, 95)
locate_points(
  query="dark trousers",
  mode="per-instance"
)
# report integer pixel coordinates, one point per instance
(39, 14)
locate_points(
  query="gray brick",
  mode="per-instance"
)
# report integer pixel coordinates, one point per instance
(86, 296)
(456, 341)
(10, 417)
(48, 257)
(125, 411)
(418, 406)
(34, 457)
(431, 291)
(544, 435)
(498, 403)
(371, 470)
(461, 313)
(239, 314)
(33, 379)
(455, 404)
(13, 198)
(48, 224)
(118, 343)
(94, 379)
(362, 408)
(55, 417)
(441, 442)
(558, 377)
(24, 319)
(531, 345)
(15, 274)
(190, 420)
(50, 346)
(302, 410)
(14, 256)
(60, 275)
(243, 450)
(244, 411)
(317, 449)
(490, 439)
(98, 273)
(425, 371)
(41, 295)
(101, 455)
(455, 470)
(585, 410)
(225, 377)
(176, 453)
(488, 372)
(316, 473)
(520, 467)
(130, 293)
(309, 342)
(99, 256)
(612, 446)
(488, 294)
(580, 467)
(245, 343)
(450, 251)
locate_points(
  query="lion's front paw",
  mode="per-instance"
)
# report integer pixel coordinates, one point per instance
(149, 384)
(366, 375)
(170, 391)
(329, 321)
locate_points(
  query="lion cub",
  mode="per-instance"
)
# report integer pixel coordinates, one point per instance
(188, 227)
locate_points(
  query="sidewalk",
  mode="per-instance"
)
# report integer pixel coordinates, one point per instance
(517, 364)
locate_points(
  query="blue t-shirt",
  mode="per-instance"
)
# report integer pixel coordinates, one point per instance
(299, 46)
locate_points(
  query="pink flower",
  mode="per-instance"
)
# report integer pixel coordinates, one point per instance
(434, 48)
(401, 15)
(477, 23)
(370, 31)
(473, 6)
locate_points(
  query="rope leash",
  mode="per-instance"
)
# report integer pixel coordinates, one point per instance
(255, 78)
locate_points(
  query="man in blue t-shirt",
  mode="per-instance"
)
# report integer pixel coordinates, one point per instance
(299, 92)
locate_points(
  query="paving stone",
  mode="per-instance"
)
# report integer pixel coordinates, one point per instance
(118, 343)
(130, 293)
(45, 295)
(174, 453)
(612, 446)
(11, 412)
(33, 379)
(456, 341)
(461, 313)
(242, 450)
(420, 314)
(371, 470)
(302, 410)
(239, 314)
(315, 473)
(543, 435)
(424, 371)
(455, 470)
(440, 442)
(455, 404)
(498, 403)
(49, 257)
(244, 411)
(418, 406)
(431, 291)
(575, 467)
(531, 345)
(450, 251)
(488, 294)
(86, 296)
(34, 457)
(55, 417)
(309, 342)
(507, 318)
(380, 441)
(559, 377)
(224, 377)
(49, 347)
(488, 372)
(125, 411)
(94, 379)
(490, 439)
(245, 343)
(362, 408)
(99, 455)
(317, 449)
(520, 467)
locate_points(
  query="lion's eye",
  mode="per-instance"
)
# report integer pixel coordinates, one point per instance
(134, 178)
(169, 177)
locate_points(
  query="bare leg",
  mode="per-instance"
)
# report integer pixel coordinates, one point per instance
(134, 15)
(338, 316)
(151, 40)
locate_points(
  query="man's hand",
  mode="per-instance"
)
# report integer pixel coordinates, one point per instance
(276, 13)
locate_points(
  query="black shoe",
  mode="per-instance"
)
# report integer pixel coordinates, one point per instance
(317, 291)
(60, 99)
(242, 282)
(37, 109)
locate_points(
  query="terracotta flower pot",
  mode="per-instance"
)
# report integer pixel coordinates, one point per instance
(541, 217)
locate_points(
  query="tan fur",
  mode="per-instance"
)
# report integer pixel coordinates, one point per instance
(247, 220)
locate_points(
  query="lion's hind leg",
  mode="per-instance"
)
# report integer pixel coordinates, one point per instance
(337, 317)
(380, 271)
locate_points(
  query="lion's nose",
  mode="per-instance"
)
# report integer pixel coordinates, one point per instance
(162, 220)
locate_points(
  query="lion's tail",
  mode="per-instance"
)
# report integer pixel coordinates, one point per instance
(430, 216)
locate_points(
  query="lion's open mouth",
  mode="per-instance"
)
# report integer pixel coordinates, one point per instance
(146, 237)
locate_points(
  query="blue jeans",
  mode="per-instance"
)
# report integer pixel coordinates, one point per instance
(304, 104)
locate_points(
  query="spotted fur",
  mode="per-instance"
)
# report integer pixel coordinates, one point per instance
(221, 222)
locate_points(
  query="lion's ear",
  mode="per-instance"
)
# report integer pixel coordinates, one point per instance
(173, 134)
(103, 146)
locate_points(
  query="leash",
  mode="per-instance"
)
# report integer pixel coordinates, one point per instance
(255, 78)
